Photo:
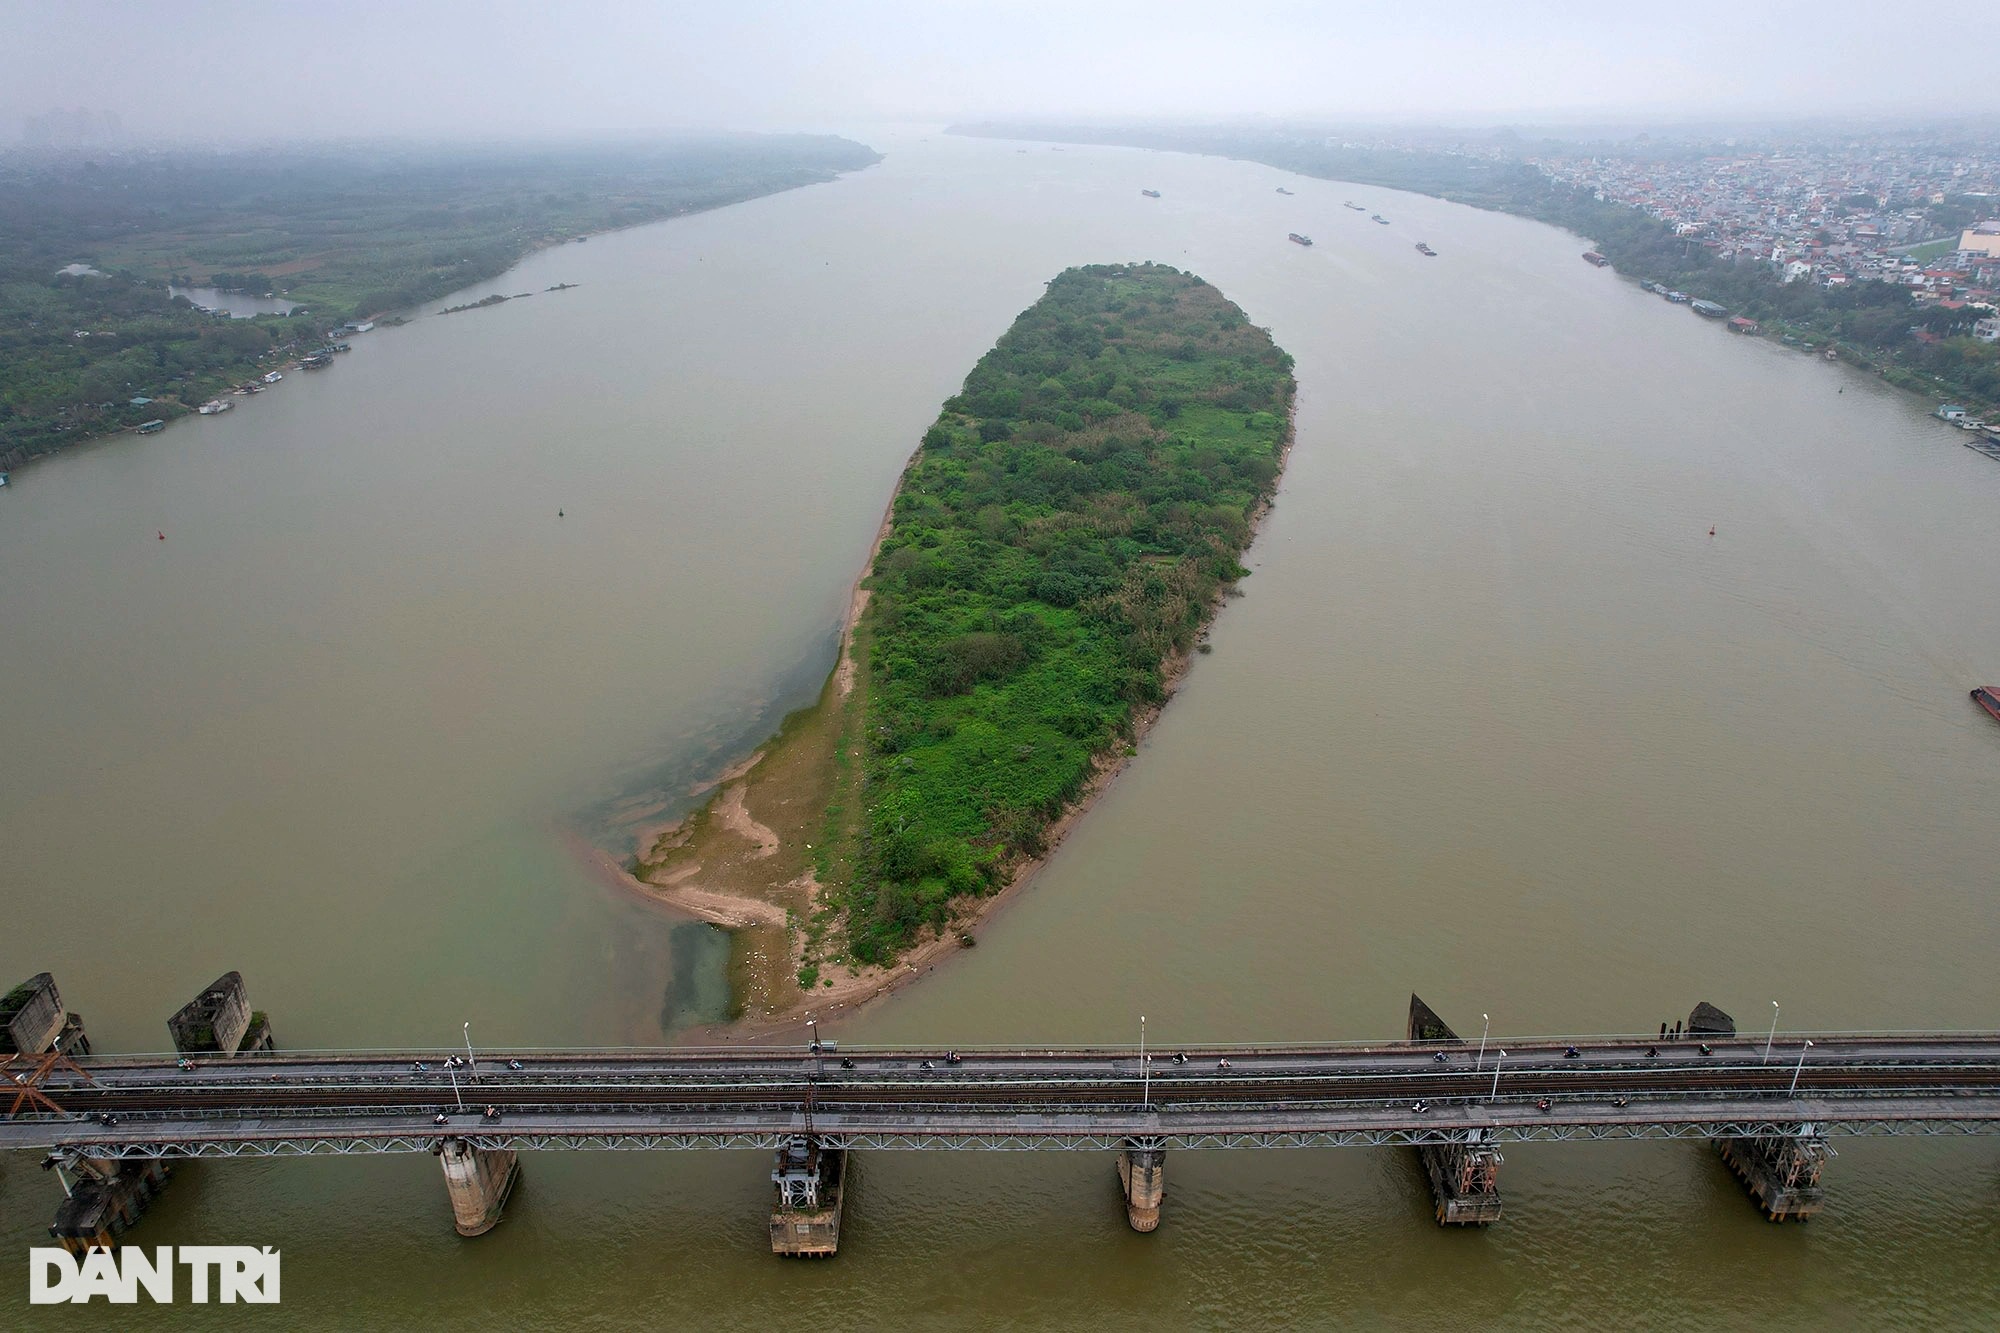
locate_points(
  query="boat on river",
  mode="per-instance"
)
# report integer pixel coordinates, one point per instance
(1377, 217)
(1988, 697)
(1423, 248)
(1351, 204)
(1150, 194)
(1297, 239)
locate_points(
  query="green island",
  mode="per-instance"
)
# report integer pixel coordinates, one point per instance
(1051, 558)
(94, 342)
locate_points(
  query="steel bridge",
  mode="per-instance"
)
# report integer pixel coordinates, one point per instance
(1771, 1105)
(1409, 1094)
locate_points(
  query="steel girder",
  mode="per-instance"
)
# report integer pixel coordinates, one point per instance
(307, 1145)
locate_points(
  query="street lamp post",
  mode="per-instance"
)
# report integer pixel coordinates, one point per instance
(1497, 1060)
(1145, 1070)
(1798, 1069)
(470, 1063)
(818, 1053)
(455, 1094)
(1485, 1022)
(1774, 1032)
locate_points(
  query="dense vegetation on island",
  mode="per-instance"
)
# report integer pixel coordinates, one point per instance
(1056, 544)
(1874, 324)
(348, 234)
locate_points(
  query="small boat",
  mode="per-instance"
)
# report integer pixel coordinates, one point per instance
(1423, 248)
(1283, 190)
(274, 377)
(1150, 194)
(1349, 203)
(1377, 217)
(1297, 239)
(3, 479)
(1988, 697)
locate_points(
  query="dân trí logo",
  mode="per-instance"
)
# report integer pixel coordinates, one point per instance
(225, 1274)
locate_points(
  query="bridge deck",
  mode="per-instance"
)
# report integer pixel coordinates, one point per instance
(1082, 1098)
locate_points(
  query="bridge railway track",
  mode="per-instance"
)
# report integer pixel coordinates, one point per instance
(145, 1090)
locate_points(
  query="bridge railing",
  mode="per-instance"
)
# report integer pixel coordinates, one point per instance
(764, 1049)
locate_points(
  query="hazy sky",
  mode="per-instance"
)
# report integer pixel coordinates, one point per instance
(272, 69)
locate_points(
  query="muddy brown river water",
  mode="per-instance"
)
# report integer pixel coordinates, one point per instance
(1496, 720)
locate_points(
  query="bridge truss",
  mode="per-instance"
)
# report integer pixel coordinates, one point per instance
(1107, 1138)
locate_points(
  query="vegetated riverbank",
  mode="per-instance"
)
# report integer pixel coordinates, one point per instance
(1051, 557)
(346, 234)
(1872, 325)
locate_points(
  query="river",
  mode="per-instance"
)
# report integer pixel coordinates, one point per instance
(1496, 720)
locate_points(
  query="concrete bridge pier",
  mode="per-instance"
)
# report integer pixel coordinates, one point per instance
(33, 1021)
(1465, 1174)
(809, 1180)
(1465, 1180)
(220, 1021)
(107, 1199)
(1142, 1175)
(479, 1181)
(1780, 1172)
